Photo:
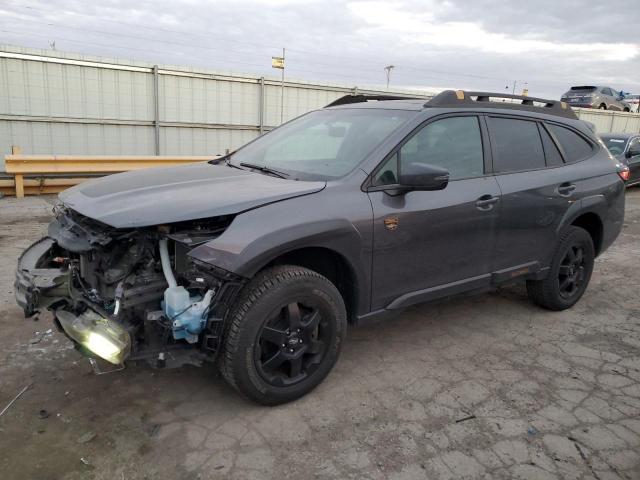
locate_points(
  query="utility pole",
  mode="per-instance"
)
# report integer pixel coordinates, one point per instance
(514, 88)
(278, 62)
(388, 69)
(282, 91)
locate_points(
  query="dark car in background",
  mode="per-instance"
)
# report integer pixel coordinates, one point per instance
(626, 148)
(590, 96)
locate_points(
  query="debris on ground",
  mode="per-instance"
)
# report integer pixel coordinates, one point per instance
(464, 419)
(87, 437)
(43, 414)
(15, 398)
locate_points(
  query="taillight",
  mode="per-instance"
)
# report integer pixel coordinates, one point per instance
(623, 172)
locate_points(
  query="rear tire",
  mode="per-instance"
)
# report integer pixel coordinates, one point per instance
(284, 335)
(602, 107)
(569, 274)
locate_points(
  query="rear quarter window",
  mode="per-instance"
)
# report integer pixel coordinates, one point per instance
(574, 146)
(551, 151)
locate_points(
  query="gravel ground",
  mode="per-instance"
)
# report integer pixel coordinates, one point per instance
(479, 387)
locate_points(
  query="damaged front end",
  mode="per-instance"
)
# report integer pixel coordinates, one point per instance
(129, 294)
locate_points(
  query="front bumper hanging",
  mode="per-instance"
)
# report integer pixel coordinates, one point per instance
(37, 285)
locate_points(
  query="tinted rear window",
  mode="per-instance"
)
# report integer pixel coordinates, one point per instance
(517, 145)
(575, 147)
(585, 88)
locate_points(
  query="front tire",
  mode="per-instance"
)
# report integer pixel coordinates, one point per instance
(569, 274)
(284, 335)
(602, 107)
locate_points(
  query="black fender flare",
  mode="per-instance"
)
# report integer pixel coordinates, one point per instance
(596, 204)
(336, 235)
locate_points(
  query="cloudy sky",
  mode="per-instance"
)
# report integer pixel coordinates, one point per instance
(545, 45)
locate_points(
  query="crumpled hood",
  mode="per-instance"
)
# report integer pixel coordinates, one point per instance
(165, 195)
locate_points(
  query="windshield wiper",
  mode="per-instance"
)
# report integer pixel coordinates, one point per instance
(265, 169)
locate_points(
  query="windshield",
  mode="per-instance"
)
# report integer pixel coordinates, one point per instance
(615, 145)
(323, 144)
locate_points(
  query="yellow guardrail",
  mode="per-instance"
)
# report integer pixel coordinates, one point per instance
(38, 166)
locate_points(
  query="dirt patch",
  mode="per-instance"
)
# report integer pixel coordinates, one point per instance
(524, 379)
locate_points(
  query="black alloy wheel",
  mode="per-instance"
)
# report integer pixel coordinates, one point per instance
(569, 272)
(284, 334)
(292, 343)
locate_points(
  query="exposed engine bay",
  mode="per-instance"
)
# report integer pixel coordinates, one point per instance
(130, 294)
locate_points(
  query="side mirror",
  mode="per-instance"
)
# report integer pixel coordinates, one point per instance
(422, 176)
(632, 153)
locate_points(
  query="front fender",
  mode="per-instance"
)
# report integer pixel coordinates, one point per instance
(329, 221)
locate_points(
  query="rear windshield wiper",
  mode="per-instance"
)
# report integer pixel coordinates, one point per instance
(265, 169)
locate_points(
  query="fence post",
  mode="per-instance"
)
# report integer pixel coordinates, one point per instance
(613, 117)
(19, 185)
(156, 108)
(261, 107)
(18, 179)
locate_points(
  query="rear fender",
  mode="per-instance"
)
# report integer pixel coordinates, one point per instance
(596, 204)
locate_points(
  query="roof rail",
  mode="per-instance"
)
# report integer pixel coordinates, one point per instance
(360, 98)
(461, 98)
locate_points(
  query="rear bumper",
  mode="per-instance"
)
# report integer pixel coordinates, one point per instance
(36, 285)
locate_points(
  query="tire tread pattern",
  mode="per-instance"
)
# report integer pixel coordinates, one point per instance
(544, 292)
(264, 281)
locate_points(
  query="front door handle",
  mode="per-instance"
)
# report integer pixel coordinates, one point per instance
(566, 189)
(486, 202)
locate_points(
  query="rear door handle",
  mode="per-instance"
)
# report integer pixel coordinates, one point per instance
(566, 189)
(486, 202)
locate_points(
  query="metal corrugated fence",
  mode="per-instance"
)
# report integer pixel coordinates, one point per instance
(609, 121)
(57, 103)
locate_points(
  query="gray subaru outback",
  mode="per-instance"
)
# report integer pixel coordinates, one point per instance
(259, 260)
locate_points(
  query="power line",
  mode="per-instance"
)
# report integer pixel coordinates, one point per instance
(372, 70)
(209, 36)
(164, 53)
(374, 65)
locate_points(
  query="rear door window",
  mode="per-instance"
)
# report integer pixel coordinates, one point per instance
(517, 145)
(575, 147)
